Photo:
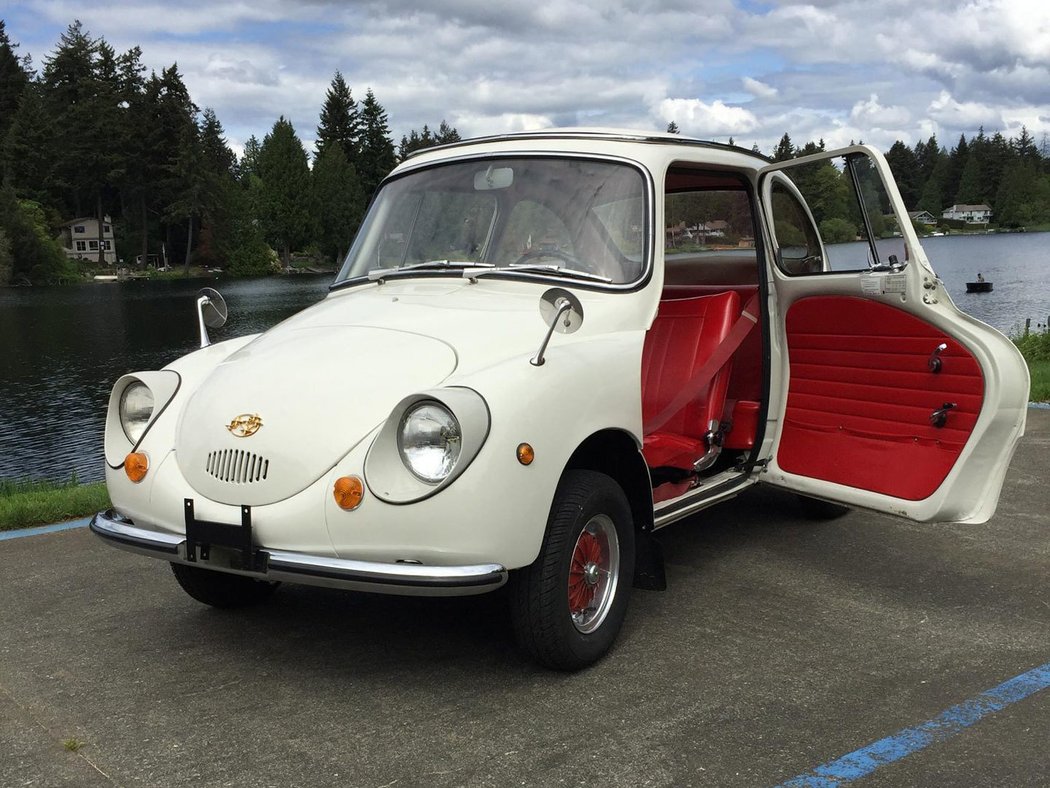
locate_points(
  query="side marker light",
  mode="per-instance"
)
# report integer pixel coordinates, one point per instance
(135, 466)
(526, 454)
(348, 492)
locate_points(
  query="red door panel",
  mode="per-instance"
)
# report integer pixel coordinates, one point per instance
(861, 395)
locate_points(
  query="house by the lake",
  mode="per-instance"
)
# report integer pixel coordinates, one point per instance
(923, 217)
(971, 214)
(81, 239)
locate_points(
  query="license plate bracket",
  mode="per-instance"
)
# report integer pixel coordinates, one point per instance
(201, 535)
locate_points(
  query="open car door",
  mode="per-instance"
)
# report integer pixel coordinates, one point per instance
(891, 398)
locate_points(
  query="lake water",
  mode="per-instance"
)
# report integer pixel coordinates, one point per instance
(61, 349)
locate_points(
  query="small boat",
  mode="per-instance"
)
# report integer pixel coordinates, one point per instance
(978, 287)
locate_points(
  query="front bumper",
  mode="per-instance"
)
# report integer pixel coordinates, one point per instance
(285, 566)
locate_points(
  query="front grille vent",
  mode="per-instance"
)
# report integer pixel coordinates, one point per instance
(236, 466)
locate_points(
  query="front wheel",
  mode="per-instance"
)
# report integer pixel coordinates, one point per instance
(568, 605)
(222, 589)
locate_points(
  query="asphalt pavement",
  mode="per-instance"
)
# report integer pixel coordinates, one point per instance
(781, 645)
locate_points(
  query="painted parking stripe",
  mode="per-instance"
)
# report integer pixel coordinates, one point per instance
(862, 762)
(44, 529)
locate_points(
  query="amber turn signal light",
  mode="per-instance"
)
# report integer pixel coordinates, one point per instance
(526, 454)
(135, 466)
(348, 492)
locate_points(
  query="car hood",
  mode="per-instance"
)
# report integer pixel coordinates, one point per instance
(280, 412)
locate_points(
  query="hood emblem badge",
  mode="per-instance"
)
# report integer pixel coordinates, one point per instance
(245, 425)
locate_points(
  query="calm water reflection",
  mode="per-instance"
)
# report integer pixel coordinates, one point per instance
(62, 348)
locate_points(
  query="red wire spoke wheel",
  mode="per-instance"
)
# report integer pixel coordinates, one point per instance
(593, 573)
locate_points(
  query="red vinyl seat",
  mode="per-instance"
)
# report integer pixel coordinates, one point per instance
(685, 333)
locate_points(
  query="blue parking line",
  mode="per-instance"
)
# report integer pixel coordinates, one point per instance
(44, 529)
(862, 762)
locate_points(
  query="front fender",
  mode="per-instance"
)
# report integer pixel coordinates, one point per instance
(497, 509)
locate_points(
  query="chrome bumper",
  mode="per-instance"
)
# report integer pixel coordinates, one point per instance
(280, 565)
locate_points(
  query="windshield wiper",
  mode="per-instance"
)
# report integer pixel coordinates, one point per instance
(546, 268)
(427, 265)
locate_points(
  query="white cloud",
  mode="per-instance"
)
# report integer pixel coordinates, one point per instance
(703, 119)
(759, 89)
(872, 114)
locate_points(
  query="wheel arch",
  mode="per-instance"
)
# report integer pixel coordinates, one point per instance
(615, 453)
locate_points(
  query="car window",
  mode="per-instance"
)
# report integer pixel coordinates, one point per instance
(554, 216)
(709, 235)
(852, 226)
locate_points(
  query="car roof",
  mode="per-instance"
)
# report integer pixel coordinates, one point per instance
(586, 133)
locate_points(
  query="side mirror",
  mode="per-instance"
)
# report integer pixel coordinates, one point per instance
(211, 312)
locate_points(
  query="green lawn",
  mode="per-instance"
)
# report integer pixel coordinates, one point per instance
(26, 503)
(1040, 372)
(1035, 347)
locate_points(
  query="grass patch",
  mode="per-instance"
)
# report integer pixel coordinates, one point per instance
(73, 745)
(1035, 347)
(27, 503)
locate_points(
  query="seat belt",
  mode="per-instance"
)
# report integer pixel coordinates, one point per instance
(703, 376)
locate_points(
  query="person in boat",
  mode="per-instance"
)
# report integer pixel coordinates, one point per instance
(980, 277)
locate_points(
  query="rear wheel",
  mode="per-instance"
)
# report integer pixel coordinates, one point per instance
(568, 606)
(222, 589)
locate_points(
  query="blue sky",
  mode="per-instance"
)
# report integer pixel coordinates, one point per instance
(841, 70)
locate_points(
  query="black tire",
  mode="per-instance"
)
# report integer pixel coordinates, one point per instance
(816, 509)
(222, 589)
(540, 596)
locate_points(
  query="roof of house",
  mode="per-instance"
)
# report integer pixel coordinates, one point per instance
(968, 208)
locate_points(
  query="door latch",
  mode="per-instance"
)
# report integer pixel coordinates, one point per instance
(934, 362)
(940, 416)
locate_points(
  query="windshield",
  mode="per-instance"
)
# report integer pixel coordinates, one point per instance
(576, 219)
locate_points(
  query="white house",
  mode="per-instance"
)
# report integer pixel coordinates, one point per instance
(923, 217)
(972, 214)
(81, 239)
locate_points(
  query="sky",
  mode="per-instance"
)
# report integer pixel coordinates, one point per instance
(839, 70)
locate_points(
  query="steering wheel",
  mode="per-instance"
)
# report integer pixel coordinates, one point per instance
(572, 260)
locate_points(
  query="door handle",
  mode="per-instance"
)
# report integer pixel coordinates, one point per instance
(934, 362)
(940, 416)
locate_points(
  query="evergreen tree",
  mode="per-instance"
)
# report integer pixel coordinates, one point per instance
(340, 121)
(285, 176)
(969, 188)
(1024, 195)
(995, 158)
(13, 80)
(190, 186)
(905, 170)
(446, 134)
(956, 165)
(377, 149)
(250, 159)
(28, 151)
(338, 202)
(426, 139)
(784, 149)
(932, 198)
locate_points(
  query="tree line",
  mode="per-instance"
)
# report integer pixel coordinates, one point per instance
(1009, 175)
(93, 135)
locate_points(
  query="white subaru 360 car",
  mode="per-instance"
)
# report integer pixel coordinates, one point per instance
(543, 348)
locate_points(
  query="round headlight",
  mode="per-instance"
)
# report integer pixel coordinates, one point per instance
(136, 406)
(429, 441)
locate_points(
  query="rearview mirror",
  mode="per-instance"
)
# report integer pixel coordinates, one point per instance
(493, 178)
